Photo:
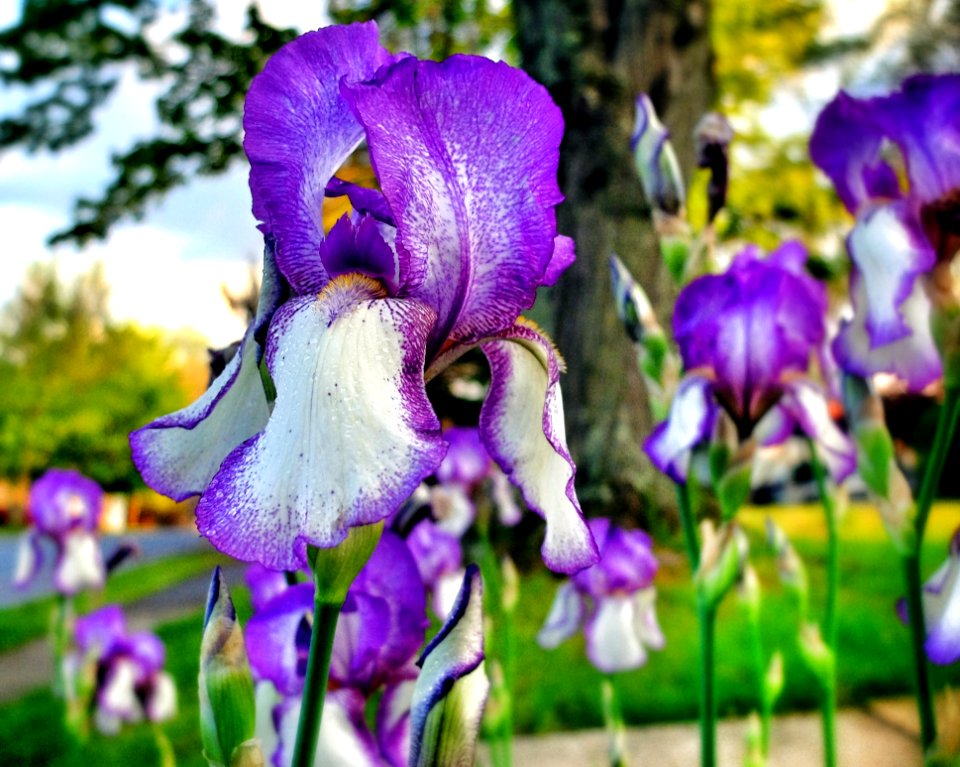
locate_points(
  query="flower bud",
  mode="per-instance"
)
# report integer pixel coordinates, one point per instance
(227, 710)
(656, 161)
(722, 559)
(713, 135)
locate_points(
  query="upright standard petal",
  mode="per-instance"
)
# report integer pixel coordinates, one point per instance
(351, 435)
(521, 423)
(297, 132)
(64, 499)
(466, 152)
(178, 454)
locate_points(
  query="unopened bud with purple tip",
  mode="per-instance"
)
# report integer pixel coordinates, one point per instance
(713, 135)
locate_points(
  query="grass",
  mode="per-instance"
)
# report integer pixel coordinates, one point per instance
(558, 690)
(24, 623)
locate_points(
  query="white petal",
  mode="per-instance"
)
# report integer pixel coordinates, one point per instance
(80, 564)
(612, 640)
(564, 617)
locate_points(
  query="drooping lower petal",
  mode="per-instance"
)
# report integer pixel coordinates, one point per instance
(393, 722)
(913, 358)
(351, 435)
(808, 405)
(298, 131)
(521, 423)
(564, 618)
(79, 563)
(29, 559)
(693, 414)
(613, 643)
(466, 152)
(178, 454)
(277, 642)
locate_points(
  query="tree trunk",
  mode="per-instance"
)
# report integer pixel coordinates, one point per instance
(595, 57)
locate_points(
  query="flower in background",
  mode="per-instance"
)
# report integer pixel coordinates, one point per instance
(941, 608)
(746, 338)
(439, 558)
(440, 259)
(380, 630)
(65, 507)
(129, 683)
(904, 240)
(614, 601)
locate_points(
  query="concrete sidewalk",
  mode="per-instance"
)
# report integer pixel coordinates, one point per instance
(868, 737)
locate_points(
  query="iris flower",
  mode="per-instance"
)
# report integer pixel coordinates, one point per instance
(746, 338)
(904, 239)
(131, 684)
(614, 601)
(380, 630)
(65, 507)
(441, 258)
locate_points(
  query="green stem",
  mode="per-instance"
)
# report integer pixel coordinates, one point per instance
(943, 438)
(315, 684)
(830, 620)
(760, 669)
(689, 525)
(164, 748)
(61, 640)
(613, 720)
(707, 615)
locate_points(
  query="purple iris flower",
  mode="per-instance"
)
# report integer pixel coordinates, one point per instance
(439, 558)
(380, 630)
(746, 338)
(131, 684)
(441, 258)
(65, 507)
(614, 601)
(941, 608)
(904, 240)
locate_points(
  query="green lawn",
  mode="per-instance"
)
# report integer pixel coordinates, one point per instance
(29, 621)
(559, 690)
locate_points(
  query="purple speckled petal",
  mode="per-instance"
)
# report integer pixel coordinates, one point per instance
(178, 454)
(351, 435)
(454, 656)
(467, 460)
(466, 152)
(79, 563)
(565, 616)
(846, 145)
(693, 414)
(914, 358)
(272, 642)
(64, 499)
(807, 403)
(298, 131)
(521, 423)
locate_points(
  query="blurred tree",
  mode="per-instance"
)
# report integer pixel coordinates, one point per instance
(76, 383)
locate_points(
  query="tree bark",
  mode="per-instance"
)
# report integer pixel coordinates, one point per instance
(595, 57)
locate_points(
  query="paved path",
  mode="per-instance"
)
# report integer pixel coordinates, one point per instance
(31, 666)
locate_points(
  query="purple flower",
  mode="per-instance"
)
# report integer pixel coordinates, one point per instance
(903, 241)
(614, 601)
(442, 258)
(746, 338)
(131, 684)
(439, 558)
(941, 608)
(65, 507)
(380, 630)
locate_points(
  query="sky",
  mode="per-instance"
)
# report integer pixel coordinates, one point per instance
(168, 270)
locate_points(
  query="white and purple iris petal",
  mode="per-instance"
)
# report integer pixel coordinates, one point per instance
(693, 415)
(941, 608)
(900, 234)
(614, 601)
(444, 256)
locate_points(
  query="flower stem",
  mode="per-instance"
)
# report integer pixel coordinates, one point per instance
(315, 684)
(613, 720)
(688, 523)
(707, 616)
(828, 705)
(946, 425)
(61, 639)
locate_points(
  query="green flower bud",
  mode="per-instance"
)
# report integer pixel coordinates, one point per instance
(336, 568)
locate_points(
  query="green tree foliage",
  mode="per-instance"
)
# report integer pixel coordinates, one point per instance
(76, 383)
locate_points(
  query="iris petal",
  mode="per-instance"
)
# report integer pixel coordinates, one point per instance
(351, 435)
